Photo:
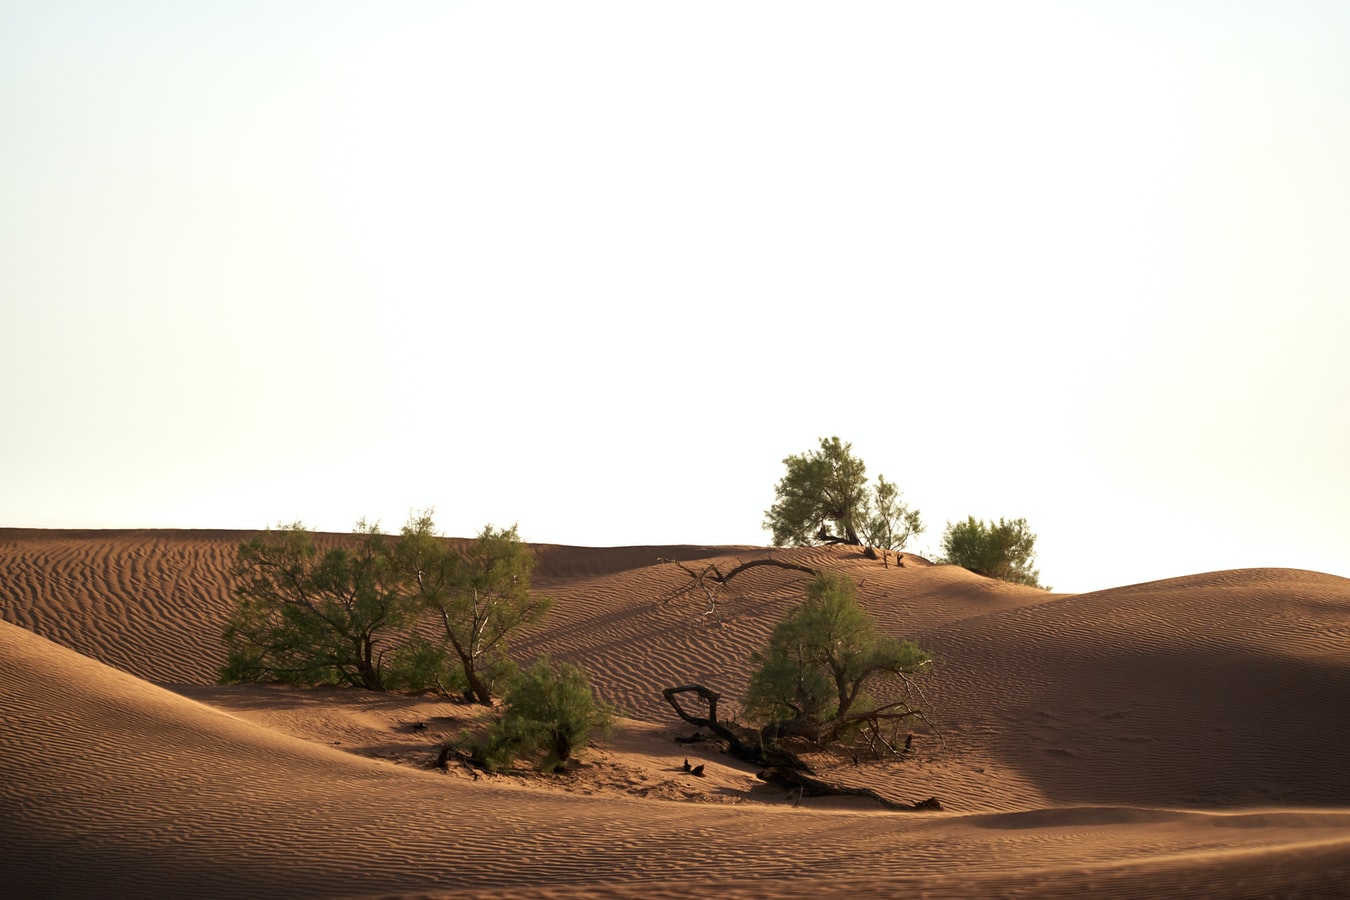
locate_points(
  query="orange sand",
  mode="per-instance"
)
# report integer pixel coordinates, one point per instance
(1187, 737)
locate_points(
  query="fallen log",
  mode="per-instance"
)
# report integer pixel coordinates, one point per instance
(793, 780)
(745, 745)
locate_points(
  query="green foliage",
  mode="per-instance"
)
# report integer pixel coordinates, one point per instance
(305, 616)
(889, 522)
(421, 663)
(480, 596)
(827, 489)
(814, 677)
(1005, 550)
(551, 712)
(364, 613)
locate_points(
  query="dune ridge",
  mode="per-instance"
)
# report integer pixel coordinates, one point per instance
(1182, 737)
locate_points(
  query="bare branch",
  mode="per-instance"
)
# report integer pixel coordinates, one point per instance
(807, 786)
(767, 561)
(711, 581)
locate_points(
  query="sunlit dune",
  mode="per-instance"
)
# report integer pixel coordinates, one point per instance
(1183, 738)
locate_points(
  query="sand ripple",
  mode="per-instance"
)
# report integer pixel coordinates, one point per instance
(1184, 736)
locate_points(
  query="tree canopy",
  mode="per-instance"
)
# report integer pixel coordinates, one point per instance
(480, 596)
(306, 616)
(824, 498)
(362, 611)
(1005, 550)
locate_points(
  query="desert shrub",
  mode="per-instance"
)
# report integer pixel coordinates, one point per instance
(816, 676)
(421, 663)
(381, 612)
(306, 616)
(1005, 550)
(550, 714)
(479, 597)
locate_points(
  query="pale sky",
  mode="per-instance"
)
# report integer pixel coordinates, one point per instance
(597, 268)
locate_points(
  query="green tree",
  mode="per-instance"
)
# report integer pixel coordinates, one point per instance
(1006, 550)
(890, 523)
(380, 612)
(306, 616)
(480, 596)
(816, 676)
(550, 714)
(824, 499)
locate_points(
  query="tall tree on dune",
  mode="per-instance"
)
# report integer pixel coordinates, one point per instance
(824, 498)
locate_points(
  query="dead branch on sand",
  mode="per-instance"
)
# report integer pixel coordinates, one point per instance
(805, 786)
(784, 769)
(743, 743)
(711, 581)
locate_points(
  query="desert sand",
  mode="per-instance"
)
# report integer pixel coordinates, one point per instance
(1187, 737)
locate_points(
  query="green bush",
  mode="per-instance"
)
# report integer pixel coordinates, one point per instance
(479, 596)
(308, 616)
(550, 714)
(815, 676)
(1005, 550)
(384, 612)
(421, 664)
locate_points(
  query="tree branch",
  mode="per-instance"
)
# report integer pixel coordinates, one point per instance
(792, 779)
(743, 744)
(711, 581)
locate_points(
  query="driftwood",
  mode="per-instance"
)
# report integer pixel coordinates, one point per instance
(449, 751)
(742, 743)
(806, 786)
(711, 580)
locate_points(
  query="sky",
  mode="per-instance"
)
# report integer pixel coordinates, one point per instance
(598, 268)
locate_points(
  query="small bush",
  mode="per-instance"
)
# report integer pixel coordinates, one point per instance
(420, 664)
(550, 714)
(1006, 550)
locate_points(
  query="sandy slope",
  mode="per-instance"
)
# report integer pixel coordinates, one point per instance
(1185, 737)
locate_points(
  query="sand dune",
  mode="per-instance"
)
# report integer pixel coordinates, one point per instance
(1184, 737)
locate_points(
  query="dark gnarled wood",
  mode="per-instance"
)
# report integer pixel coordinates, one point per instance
(738, 745)
(711, 580)
(742, 743)
(793, 780)
(767, 561)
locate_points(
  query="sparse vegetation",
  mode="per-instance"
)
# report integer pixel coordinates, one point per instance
(1006, 550)
(306, 616)
(550, 714)
(824, 499)
(480, 598)
(827, 677)
(363, 613)
(828, 673)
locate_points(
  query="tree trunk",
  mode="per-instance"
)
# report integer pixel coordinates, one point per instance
(738, 745)
(562, 747)
(850, 537)
(801, 728)
(478, 690)
(745, 745)
(371, 679)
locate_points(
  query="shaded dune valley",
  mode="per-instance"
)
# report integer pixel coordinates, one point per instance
(1186, 737)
